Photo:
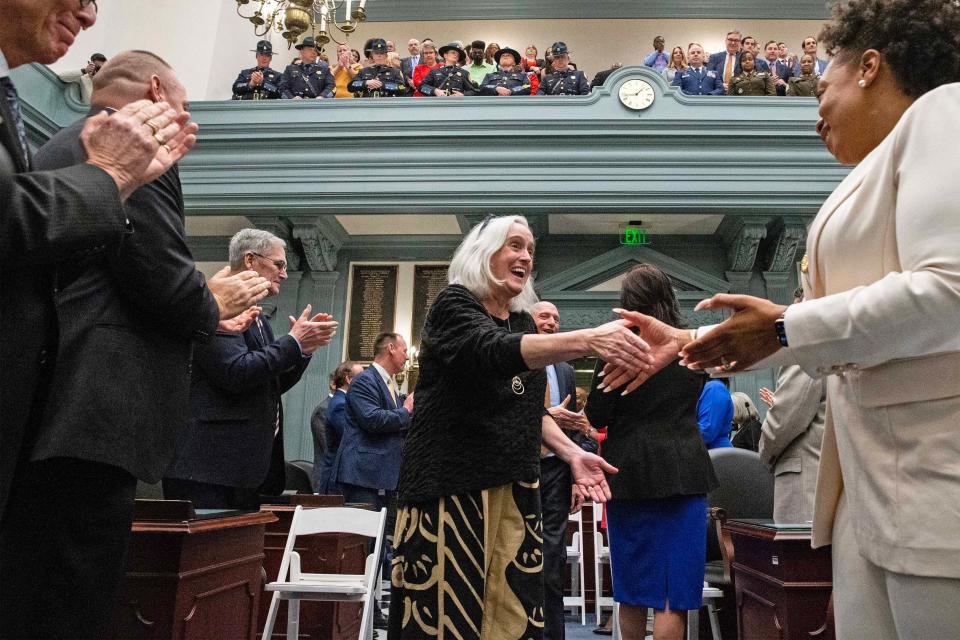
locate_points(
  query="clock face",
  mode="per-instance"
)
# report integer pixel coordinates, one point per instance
(637, 94)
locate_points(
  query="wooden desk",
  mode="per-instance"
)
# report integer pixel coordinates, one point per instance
(192, 579)
(783, 586)
(320, 553)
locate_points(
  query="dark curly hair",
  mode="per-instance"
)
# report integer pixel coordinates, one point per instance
(919, 39)
(648, 290)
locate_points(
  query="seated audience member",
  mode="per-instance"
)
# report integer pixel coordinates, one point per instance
(355, 57)
(809, 47)
(231, 451)
(780, 72)
(259, 82)
(83, 78)
(564, 81)
(657, 59)
(318, 425)
(678, 62)
(602, 76)
(746, 420)
(379, 79)
(655, 517)
(478, 69)
(807, 82)
(308, 80)
(791, 437)
(696, 79)
(335, 425)
(750, 82)
(750, 44)
(510, 80)
(715, 414)
(344, 71)
(450, 79)
(531, 63)
(428, 62)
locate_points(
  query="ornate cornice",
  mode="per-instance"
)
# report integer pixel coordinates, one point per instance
(742, 236)
(318, 249)
(789, 234)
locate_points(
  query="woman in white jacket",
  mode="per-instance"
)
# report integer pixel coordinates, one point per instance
(879, 321)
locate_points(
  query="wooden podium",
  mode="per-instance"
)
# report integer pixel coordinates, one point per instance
(191, 575)
(320, 553)
(783, 586)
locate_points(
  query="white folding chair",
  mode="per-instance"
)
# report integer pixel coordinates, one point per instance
(601, 556)
(577, 597)
(293, 585)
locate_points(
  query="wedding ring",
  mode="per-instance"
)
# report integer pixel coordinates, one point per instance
(160, 139)
(167, 147)
(154, 127)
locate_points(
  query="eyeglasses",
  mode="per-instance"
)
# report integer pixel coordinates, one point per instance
(86, 3)
(281, 265)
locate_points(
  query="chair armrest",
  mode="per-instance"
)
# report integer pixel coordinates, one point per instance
(719, 516)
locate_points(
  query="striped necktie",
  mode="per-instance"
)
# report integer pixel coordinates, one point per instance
(10, 92)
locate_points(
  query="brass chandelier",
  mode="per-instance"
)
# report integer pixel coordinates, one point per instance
(292, 18)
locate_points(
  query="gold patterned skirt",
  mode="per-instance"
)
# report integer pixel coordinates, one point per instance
(469, 567)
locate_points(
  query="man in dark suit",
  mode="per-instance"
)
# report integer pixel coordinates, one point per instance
(556, 497)
(779, 70)
(726, 64)
(335, 424)
(318, 428)
(809, 47)
(696, 79)
(409, 63)
(48, 585)
(232, 449)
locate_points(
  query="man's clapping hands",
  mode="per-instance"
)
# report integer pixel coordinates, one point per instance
(312, 332)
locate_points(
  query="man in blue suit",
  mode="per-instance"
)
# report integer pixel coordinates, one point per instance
(335, 425)
(810, 48)
(696, 79)
(726, 64)
(378, 416)
(231, 451)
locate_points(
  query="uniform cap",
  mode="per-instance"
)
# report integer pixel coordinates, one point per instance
(513, 52)
(560, 49)
(453, 47)
(307, 42)
(265, 47)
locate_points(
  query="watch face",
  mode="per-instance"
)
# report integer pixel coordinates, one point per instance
(636, 94)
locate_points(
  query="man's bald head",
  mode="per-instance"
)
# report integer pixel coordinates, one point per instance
(546, 316)
(135, 75)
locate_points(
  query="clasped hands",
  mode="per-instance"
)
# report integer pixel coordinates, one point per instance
(745, 338)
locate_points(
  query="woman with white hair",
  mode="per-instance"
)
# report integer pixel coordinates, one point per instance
(747, 421)
(468, 539)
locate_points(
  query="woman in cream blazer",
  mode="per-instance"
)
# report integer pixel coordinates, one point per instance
(879, 321)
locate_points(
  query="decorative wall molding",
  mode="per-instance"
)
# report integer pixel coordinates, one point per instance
(742, 236)
(427, 10)
(789, 235)
(319, 250)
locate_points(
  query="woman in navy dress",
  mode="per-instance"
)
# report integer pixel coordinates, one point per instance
(656, 519)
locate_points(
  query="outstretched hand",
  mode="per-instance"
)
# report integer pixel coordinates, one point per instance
(588, 471)
(740, 341)
(665, 344)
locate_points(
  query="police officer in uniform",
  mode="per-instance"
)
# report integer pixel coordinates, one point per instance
(309, 79)
(260, 82)
(564, 81)
(510, 80)
(449, 80)
(379, 79)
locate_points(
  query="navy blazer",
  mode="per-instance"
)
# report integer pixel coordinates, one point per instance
(234, 400)
(717, 61)
(568, 386)
(370, 451)
(706, 82)
(336, 424)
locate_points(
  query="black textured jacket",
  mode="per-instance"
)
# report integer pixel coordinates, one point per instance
(653, 437)
(473, 426)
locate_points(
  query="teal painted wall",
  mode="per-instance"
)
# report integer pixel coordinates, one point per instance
(291, 167)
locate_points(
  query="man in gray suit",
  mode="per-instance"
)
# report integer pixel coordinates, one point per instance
(790, 440)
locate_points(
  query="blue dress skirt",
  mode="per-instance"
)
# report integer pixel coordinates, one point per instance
(658, 548)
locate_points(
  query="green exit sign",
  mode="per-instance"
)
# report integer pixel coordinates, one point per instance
(634, 235)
